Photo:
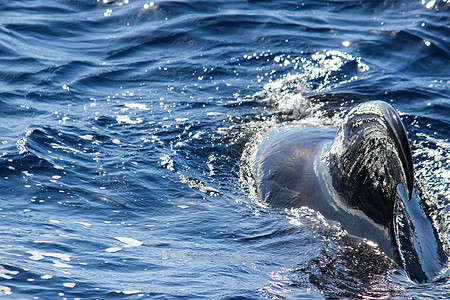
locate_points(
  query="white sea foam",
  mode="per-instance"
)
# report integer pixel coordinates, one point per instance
(126, 119)
(58, 264)
(129, 242)
(4, 290)
(113, 249)
(140, 106)
(37, 255)
(69, 284)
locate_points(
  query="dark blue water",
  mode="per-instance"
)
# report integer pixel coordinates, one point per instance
(126, 128)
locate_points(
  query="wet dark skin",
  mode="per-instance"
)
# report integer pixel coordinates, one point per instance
(361, 175)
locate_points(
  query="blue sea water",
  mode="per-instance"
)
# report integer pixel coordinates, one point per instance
(127, 128)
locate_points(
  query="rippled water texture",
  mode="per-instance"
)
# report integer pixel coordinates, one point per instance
(126, 129)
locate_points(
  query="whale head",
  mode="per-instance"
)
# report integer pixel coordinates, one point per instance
(369, 158)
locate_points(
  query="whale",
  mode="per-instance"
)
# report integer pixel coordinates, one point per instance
(359, 174)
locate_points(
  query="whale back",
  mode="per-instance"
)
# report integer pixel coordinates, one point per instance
(369, 157)
(284, 168)
(360, 175)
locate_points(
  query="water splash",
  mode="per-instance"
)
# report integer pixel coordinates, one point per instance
(288, 96)
(432, 172)
(321, 72)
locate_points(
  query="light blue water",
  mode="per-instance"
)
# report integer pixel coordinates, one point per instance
(126, 127)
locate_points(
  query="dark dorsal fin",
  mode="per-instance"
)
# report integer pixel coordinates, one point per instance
(369, 157)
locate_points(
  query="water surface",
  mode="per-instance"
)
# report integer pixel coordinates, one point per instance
(126, 128)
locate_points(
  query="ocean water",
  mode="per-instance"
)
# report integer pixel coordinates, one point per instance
(127, 128)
